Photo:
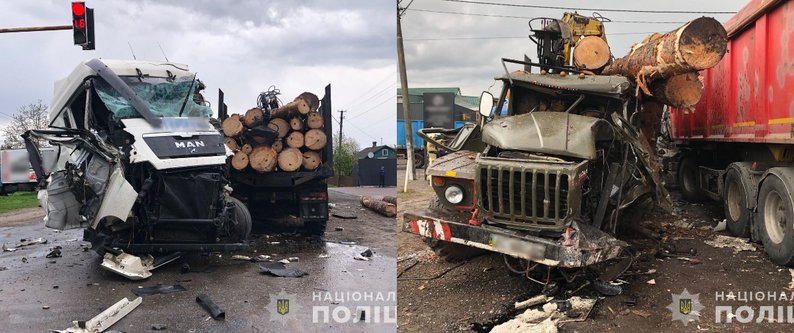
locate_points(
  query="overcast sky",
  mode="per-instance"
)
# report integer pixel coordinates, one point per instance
(241, 46)
(435, 60)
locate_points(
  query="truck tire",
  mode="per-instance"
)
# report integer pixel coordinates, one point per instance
(775, 220)
(315, 228)
(688, 176)
(734, 202)
(242, 220)
(447, 251)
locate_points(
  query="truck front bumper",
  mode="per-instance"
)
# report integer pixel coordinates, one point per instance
(579, 246)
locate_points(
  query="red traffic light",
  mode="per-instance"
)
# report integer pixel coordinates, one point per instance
(78, 8)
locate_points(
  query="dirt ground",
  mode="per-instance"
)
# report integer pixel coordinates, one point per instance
(74, 287)
(476, 295)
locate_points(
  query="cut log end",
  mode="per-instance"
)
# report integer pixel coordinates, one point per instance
(311, 160)
(263, 159)
(247, 148)
(278, 145)
(290, 159)
(314, 120)
(279, 125)
(231, 143)
(703, 43)
(295, 140)
(681, 91)
(315, 139)
(591, 53)
(239, 161)
(253, 117)
(232, 126)
(296, 124)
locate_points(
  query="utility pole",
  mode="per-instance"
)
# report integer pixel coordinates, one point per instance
(341, 121)
(409, 144)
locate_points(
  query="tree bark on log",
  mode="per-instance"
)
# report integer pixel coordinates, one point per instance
(311, 160)
(253, 117)
(381, 207)
(279, 125)
(699, 44)
(315, 139)
(295, 140)
(290, 159)
(232, 126)
(591, 53)
(314, 120)
(681, 91)
(390, 199)
(263, 159)
(239, 161)
(292, 109)
(311, 99)
(296, 124)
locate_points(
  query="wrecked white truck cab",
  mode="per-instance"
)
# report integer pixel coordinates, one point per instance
(140, 164)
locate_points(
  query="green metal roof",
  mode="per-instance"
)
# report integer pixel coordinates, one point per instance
(415, 96)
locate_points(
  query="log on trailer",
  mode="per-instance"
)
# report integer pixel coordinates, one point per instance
(290, 159)
(240, 161)
(295, 140)
(263, 159)
(697, 45)
(381, 207)
(279, 125)
(314, 120)
(311, 160)
(682, 91)
(315, 139)
(232, 126)
(253, 117)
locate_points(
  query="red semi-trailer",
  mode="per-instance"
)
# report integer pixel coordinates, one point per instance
(738, 144)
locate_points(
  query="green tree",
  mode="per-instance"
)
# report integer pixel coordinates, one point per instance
(345, 158)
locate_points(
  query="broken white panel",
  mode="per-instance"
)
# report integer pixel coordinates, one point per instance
(129, 266)
(106, 318)
(118, 199)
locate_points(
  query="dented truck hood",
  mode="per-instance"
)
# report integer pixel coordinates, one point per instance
(545, 132)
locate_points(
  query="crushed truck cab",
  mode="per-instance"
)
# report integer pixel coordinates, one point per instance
(562, 172)
(140, 165)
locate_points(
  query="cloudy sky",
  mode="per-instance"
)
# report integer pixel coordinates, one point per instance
(241, 46)
(460, 50)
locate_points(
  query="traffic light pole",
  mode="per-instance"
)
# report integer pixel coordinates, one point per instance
(33, 29)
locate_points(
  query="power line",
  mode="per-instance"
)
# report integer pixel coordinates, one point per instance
(530, 17)
(507, 37)
(390, 98)
(373, 96)
(589, 9)
(355, 100)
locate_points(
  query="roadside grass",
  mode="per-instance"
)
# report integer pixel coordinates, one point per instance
(18, 200)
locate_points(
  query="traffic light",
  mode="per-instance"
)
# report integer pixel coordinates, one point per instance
(83, 25)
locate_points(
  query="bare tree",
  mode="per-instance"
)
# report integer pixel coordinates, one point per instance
(28, 117)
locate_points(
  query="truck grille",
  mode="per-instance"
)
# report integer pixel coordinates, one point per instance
(527, 195)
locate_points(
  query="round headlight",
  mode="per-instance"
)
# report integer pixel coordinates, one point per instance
(454, 194)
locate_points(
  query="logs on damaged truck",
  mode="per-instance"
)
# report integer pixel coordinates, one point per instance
(557, 168)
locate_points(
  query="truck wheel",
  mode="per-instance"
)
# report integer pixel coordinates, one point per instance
(242, 220)
(774, 219)
(688, 175)
(315, 228)
(734, 201)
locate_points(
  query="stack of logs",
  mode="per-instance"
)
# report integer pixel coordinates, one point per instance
(296, 139)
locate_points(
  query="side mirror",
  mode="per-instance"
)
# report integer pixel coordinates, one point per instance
(486, 104)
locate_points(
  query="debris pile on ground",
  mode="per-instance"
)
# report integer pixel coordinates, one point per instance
(23, 243)
(379, 206)
(281, 270)
(737, 244)
(286, 139)
(547, 318)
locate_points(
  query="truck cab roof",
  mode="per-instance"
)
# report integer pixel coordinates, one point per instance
(66, 87)
(614, 86)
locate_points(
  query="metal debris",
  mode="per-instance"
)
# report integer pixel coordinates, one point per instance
(278, 269)
(207, 303)
(105, 319)
(55, 253)
(367, 253)
(721, 225)
(547, 319)
(344, 215)
(129, 266)
(737, 244)
(158, 289)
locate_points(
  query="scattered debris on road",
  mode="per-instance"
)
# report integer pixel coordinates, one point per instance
(158, 327)
(129, 266)
(280, 270)
(105, 319)
(549, 316)
(55, 253)
(345, 215)
(23, 243)
(207, 303)
(158, 289)
(738, 244)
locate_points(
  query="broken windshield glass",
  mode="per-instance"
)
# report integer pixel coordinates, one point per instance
(165, 98)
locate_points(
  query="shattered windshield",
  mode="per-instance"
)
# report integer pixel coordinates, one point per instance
(165, 98)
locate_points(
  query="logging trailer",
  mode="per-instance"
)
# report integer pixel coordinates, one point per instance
(299, 196)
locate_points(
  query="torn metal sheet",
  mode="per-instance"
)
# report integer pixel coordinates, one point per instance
(119, 198)
(158, 289)
(129, 266)
(280, 270)
(106, 318)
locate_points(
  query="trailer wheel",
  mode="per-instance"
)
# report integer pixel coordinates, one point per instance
(315, 228)
(774, 219)
(450, 252)
(734, 201)
(242, 220)
(688, 180)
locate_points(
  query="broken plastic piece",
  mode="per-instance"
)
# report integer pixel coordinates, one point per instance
(128, 266)
(211, 307)
(106, 318)
(278, 269)
(367, 253)
(158, 289)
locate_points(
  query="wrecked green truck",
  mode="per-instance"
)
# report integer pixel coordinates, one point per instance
(550, 175)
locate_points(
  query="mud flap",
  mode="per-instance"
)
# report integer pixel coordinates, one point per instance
(106, 318)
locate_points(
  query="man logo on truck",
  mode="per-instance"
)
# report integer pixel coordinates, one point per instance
(190, 144)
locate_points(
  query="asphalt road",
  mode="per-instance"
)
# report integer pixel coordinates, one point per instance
(74, 287)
